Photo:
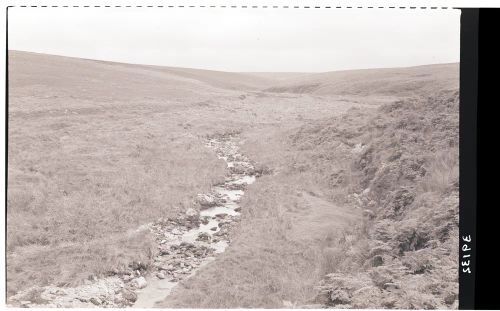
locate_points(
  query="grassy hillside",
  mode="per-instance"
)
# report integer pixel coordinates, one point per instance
(403, 173)
(409, 81)
(397, 165)
(98, 149)
(94, 152)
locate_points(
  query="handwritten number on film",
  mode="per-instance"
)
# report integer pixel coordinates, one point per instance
(465, 263)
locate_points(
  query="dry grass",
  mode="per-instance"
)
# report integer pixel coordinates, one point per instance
(273, 257)
(97, 149)
(83, 174)
(442, 171)
(410, 240)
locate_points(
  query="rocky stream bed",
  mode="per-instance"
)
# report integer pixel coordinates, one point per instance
(184, 243)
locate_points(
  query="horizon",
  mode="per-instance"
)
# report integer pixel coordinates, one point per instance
(242, 72)
(243, 41)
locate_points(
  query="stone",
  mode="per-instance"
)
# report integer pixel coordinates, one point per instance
(160, 275)
(202, 236)
(129, 295)
(238, 209)
(213, 228)
(176, 231)
(140, 282)
(95, 301)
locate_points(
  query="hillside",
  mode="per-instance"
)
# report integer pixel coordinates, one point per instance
(409, 81)
(400, 168)
(355, 196)
(397, 165)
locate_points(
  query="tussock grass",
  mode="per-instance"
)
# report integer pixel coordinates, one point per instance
(97, 149)
(443, 171)
(265, 264)
(406, 240)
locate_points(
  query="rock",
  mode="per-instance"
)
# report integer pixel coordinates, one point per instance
(119, 301)
(140, 282)
(238, 209)
(213, 228)
(138, 265)
(205, 221)
(202, 236)
(95, 301)
(160, 275)
(129, 295)
(220, 216)
(206, 201)
(176, 231)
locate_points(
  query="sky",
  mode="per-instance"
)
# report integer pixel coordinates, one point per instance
(244, 40)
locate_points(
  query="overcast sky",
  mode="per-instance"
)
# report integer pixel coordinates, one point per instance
(265, 40)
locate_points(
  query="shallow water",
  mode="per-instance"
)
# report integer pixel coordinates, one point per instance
(158, 289)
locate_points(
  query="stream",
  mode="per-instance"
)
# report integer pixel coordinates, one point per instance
(184, 249)
(185, 244)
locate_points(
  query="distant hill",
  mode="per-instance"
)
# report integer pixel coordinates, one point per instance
(392, 81)
(132, 80)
